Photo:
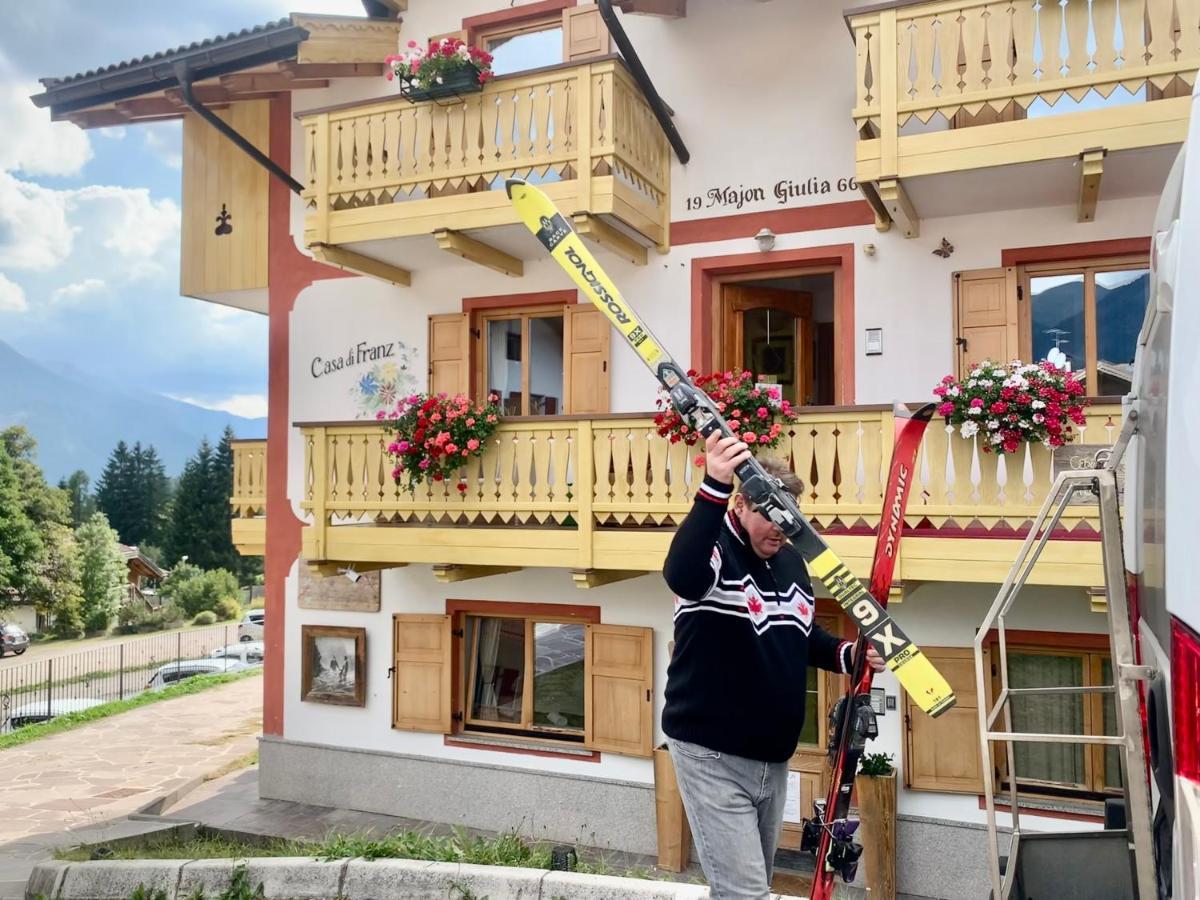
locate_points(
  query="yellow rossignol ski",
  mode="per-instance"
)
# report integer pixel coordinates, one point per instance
(912, 668)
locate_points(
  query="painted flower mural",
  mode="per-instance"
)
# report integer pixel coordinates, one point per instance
(382, 385)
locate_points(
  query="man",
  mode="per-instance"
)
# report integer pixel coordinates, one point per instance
(744, 638)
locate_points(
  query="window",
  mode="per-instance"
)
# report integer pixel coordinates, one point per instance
(1062, 769)
(523, 361)
(1092, 314)
(527, 46)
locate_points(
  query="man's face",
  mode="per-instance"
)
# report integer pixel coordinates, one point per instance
(765, 536)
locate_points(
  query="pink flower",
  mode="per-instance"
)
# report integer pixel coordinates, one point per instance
(734, 425)
(412, 44)
(946, 409)
(380, 415)
(948, 379)
(977, 403)
(436, 417)
(403, 446)
(466, 453)
(472, 444)
(451, 448)
(998, 407)
(424, 464)
(749, 437)
(491, 418)
(762, 412)
(939, 391)
(396, 472)
(493, 398)
(699, 460)
(471, 423)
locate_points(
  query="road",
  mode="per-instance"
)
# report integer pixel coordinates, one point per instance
(42, 650)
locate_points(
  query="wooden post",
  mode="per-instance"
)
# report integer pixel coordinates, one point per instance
(320, 468)
(324, 177)
(877, 810)
(674, 835)
(585, 491)
(583, 136)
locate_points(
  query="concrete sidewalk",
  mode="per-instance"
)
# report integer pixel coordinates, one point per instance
(82, 784)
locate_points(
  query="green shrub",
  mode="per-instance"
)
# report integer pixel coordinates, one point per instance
(228, 609)
(205, 617)
(196, 590)
(136, 619)
(876, 765)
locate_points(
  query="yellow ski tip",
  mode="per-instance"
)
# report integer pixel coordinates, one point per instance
(511, 184)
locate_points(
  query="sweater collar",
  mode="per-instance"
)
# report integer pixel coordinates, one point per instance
(735, 527)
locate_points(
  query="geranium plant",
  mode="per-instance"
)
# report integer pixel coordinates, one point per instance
(1008, 405)
(756, 414)
(427, 67)
(435, 435)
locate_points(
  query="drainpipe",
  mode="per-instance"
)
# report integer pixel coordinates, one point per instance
(184, 77)
(643, 80)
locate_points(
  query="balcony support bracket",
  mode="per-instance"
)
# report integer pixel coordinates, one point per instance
(610, 238)
(1091, 168)
(327, 569)
(883, 222)
(349, 261)
(478, 252)
(591, 578)
(449, 574)
(1098, 599)
(899, 208)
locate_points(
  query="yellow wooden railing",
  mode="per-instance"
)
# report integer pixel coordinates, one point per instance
(249, 498)
(579, 481)
(951, 57)
(391, 168)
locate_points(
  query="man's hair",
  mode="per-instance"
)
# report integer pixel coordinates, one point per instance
(778, 468)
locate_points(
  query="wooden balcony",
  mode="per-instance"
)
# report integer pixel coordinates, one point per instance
(249, 501)
(432, 173)
(944, 89)
(602, 497)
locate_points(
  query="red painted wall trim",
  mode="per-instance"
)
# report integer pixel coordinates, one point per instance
(1052, 640)
(1017, 256)
(707, 268)
(502, 301)
(513, 16)
(780, 221)
(288, 272)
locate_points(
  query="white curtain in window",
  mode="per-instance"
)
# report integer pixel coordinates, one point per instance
(486, 695)
(1048, 714)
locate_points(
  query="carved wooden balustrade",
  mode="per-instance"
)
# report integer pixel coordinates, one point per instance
(391, 168)
(607, 492)
(249, 500)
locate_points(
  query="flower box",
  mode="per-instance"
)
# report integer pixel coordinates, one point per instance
(445, 68)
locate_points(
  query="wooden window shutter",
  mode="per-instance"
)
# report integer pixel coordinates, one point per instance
(618, 694)
(450, 354)
(584, 33)
(421, 677)
(985, 317)
(942, 754)
(586, 334)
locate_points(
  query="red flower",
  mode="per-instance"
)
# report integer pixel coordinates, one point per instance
(998, 407)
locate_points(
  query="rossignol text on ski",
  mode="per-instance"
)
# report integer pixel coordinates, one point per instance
(912, 668)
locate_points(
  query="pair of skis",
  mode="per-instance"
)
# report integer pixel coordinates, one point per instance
(927, 687)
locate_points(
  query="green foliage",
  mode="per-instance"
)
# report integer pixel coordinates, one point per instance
(79, 499)
(876, 765)
(43, 503)
(200, 512)
(102, 572)
(193, 685)
(228, 609)
(508, 849)
(195, 591)
(206, 617)
(134, 618)
(141, 892)
(240, 887)
(154, 553)
(134, 492)
(20, 543)
(55, 586)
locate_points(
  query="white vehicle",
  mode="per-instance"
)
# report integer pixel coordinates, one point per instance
(175, 672)
(248, 652)
(1162, 533)
(251, 626)
(41, 711)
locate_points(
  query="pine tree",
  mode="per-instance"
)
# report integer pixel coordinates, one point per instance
(20, 543)
(155, 497)
(191, 519)
(43, 503)
(113, 491)
(81, 503)
(222, 488)
(102, 572)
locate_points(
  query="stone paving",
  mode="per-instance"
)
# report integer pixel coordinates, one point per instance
(92, 777)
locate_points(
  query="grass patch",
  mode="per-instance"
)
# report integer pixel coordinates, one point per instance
(66, 722)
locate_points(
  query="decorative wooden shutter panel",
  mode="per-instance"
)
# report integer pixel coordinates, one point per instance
(450, 354)
(584, 34)
(618, 694)
(421, 677)
(986, 316)
(942, 754)
(586, 334)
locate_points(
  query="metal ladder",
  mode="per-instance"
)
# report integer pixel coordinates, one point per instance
(1097, 482)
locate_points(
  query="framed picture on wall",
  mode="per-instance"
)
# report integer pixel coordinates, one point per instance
(334, 665)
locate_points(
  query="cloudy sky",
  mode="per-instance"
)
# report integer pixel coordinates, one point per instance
(89, 220)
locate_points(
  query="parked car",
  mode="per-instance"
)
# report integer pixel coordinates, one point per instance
(12, 639)
(181, 670)
(41, 711)
(251, 626)
(248, 652)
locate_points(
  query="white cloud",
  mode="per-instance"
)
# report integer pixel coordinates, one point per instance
(78, 290)
(34, 232)
(33, 144)
(114, 133)
(12, 296)
(250, 406)
(165, 140)
(133, 225)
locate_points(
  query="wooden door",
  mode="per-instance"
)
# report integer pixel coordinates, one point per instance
(810, 763)
(985, 313)
(770, 332)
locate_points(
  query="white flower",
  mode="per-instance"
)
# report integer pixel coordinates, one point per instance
(1038, 418)
(993, 424)
(972, 383)
(1038, 404)
(953, 392)
(1024, 424)
(440, 80)
(974, 411)
(997, 438)
(970, 429)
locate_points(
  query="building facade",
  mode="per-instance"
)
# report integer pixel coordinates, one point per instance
(870, 200)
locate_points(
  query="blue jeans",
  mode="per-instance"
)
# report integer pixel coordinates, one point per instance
(735, 808)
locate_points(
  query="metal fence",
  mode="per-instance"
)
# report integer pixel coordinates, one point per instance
(112, 671)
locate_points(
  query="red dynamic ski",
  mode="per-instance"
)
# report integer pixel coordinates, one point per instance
(830, 832)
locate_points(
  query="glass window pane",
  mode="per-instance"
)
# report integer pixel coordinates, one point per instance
(558, 675)
(504, 363)
(499, 668)
(1112, 759)
(1048, 714)
(1056, 311)
(769, 348)
(812, 710)
(546, 366)
(518, 52)
(1121, 299)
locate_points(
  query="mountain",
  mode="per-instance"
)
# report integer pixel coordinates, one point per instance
(1119, 314)
(78, 420)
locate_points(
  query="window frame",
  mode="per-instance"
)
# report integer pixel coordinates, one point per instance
(483, 319)
(1087, 267)
(479, 37)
